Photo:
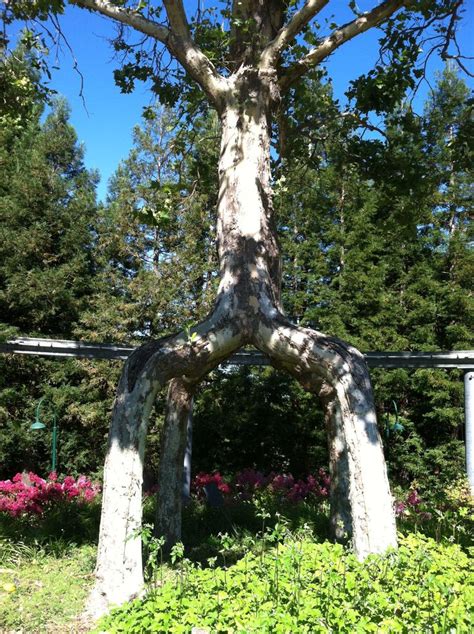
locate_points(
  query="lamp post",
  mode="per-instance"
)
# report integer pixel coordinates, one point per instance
(40, 425)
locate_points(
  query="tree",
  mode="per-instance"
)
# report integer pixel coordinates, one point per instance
(22, 90)
(383, 270)
(47, 269)
(243, 71)
(154, 226)
(44, 278)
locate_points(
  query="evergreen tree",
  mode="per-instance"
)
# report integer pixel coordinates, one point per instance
(399, 209)
(47, 211)
(46, 230)
(155, 227)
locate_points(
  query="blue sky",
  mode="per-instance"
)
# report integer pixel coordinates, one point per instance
(105, 128)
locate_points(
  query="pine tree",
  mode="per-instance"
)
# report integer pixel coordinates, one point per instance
(47, 211)
(46, 231)
(155, 227)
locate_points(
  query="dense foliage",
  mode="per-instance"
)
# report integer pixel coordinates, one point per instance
(302, 586)
(47, 274)
(33, 495)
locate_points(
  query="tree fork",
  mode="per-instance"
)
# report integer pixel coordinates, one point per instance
(119, 570)
(249, 294)
(248, 308)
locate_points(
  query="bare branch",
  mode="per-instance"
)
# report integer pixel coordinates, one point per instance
(177, 40)
(54, 19)
(363, 23)
(451, 32)
(289, 31)
(451, 39)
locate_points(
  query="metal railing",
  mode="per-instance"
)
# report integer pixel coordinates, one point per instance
(459, 359)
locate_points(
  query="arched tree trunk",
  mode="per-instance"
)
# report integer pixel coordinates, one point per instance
(361, 503)
(247, 311)
(119, 571)
(250, 283)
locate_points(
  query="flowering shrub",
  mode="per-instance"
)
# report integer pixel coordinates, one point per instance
(414, 505)
(203, 479)
(249, 483)
(449, 514)
(29, 494)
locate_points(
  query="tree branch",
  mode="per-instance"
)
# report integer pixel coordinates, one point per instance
(451, 38)
(372, 18)
(289, 31)
(177, 40)
(177, 18)
(127, 17)
(183, 48)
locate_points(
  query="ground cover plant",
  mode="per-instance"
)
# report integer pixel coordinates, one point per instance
(261, 562)
(304, 586)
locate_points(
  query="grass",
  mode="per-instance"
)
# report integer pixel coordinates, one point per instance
(43, 588)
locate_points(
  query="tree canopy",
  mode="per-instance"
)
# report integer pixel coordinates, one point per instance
(171, 42)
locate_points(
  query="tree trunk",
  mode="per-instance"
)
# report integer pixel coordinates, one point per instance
(356, 455)
(170, 475)
(340, 518)
(249, 292)
(247, 311)
(119, 574)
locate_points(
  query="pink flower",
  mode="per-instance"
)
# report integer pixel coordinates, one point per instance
(413, 499)
(31, 494)
(400, 508)
(203, 479)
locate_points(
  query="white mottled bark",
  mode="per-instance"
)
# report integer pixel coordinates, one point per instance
(119, 574)
(249, 294)
(356, 452)
(247, 309)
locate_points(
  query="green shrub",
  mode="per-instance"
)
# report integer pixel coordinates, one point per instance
(69, 522)
(448, 514)
(303, 586)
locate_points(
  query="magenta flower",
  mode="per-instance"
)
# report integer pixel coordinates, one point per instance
(413, 499)
(400, 508)
(29, 494)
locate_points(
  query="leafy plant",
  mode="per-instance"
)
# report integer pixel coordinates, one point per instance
(309, 587)
(41, 510)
